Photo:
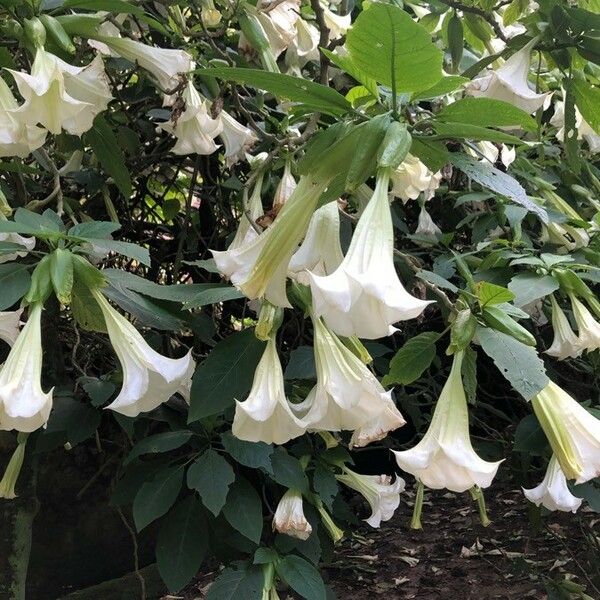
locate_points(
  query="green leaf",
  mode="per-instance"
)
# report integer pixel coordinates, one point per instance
(486, 112)
(497, 181)
(155, 497)
(211, 475)
(212, 293)
(530, 437)
(94, 229)
(231, 584)
(386, 44)
(302, 577)
(325, 484)
(431, 152)
(125, 248)
(288, 472)
(226, 375)
(345, 63)
(14, 283)
(445, 85)
(182, 543)
(61, 274)
(312, 95)
(473, 132)
(412, 359)
(528, 287)
(301, 364)
(520, 364)
(469, 374)
(490, 293)
(243, 510)
(160, 442)
(256, 455)
(587, 98)
(114, 6)
(105, 145)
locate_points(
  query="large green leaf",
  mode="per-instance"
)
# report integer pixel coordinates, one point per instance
(473, 132)
(255, 455)
(528, 287)
(182, 543)
(302, 577)
(312, 95)
(115, 6)
(232, 584)
(243, 510)
(226, 375)
(160, 442)
(14, 283)
(211, 475)
(587, 98)
(486, 112)
(412, 359)
(287, 471)
(520, 364)
(386, 44)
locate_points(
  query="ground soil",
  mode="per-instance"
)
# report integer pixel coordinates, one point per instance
(454, 557)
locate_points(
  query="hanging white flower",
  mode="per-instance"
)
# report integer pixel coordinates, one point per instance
(166, 65)
(320, 252)
(245, 234)
(553, 493)
(364, 296)
(149, 378)
(61, 96)
(14, 238)
(492, 152)
(584, 130)
(382, 494)
(347, 396)
(337, 24)
(238, 139)
(10, 323)
(285, 188)
(266, 415)
(23, 404)
(445, 457)
(17, 138)
(304, 47)
(510, 82)
(426, 228)
(573, 432)
(567, 237)
(565, 343)
(289, 516)
(412, 178)
(282, 17)
(588, 328)
(194, 129)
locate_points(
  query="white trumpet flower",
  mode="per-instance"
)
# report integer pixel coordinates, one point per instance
(566, 236)
(266, 415)
(492, 152)
(23, 404)
(61, 96)
(289, 516)
(10, 323)
(285, 188)
(347, 396)
(17, 138)
(149, 378)
(573, 432)
(338, 25)
(509, 82)
(382, 494)
(587, 327)
(445, 457)
(553, 493)
(194, 129)
(364, 295)
(412, 178)
(426, 228)
(238, 139)
(320, 252)
(584, 130)
(14, 238)
(565, 343)
(245, 234)
(304, 47)
(166, 65)
(279, 23)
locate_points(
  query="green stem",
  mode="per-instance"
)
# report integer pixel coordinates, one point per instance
(415, 522)
(477, 495)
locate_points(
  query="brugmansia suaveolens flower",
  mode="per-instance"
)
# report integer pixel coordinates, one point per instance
(166, 65)
(23, 404)
(259, 269)
(320, 252)
(266, 415)
(149, 378)
(565, 343)
(61, 96)
(584, 130)
(364, 296)
(509, 82)
(9, 326)
(17, 138)
(553, 493)
(426, 228)
(412, 178)
(347, 395)
(237, 138)
(194, 129)
(289, 516)
(588, 328)
(445, 457)
(382, 494)
(572, 431)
